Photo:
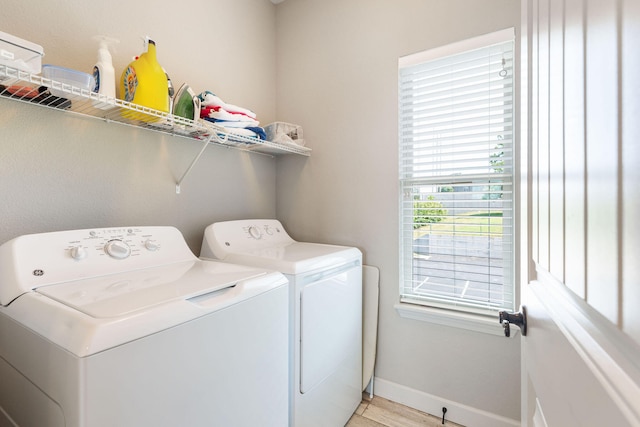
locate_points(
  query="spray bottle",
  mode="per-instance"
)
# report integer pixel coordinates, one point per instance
(103, 72)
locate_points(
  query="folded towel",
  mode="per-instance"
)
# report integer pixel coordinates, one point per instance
(252, 132)
(257, 132)
(209, 99)
(233, 119)
(222, 114)
(211, 110)
(233, 124)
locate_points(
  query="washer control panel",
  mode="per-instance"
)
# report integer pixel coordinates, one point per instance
(35, 260)
(117, 243)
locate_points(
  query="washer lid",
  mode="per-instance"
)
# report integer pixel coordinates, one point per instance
(125, 293)
(295, 258)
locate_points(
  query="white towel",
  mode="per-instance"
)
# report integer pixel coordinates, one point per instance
(223, 114)
(236, 124)
(211, 100)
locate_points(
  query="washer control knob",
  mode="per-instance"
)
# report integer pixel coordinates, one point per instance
(151, 245)
(117, 249)
(255, 232)
(78, 253)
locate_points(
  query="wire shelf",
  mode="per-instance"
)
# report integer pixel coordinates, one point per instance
(26, 87)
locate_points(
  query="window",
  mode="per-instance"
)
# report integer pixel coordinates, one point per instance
(456, 166)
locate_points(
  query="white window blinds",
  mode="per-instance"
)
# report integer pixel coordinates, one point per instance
(456, 164)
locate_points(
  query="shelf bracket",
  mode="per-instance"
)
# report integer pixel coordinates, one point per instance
(195, 160)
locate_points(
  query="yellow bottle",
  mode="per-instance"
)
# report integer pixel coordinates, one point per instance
(145, 83)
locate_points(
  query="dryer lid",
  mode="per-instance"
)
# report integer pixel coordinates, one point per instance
(126, 293)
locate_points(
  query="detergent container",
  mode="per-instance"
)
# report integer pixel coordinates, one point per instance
(144, 82)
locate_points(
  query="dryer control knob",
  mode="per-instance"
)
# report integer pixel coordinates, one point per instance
(151, 245)
(78, 253)
(117, 249)
(255, 232)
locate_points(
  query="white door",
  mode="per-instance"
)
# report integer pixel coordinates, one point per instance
(580, 122)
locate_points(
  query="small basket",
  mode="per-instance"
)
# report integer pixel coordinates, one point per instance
(284, 133)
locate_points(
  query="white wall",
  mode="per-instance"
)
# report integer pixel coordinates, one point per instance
(62, 172)
(337, 77)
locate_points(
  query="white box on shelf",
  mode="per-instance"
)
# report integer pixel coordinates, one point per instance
(20, 54)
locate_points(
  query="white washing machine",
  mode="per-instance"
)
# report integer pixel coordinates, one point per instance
(326, 313)
(126, 327)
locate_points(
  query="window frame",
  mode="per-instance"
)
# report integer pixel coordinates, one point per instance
(429, 309)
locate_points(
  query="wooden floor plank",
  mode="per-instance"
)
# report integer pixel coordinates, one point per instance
(360, 410)
(380, 412)
(400, 410)
(360, 421)
(395, 419)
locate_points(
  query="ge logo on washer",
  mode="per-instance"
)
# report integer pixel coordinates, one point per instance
(38, 273)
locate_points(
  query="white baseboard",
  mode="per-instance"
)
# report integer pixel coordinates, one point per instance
(425, 402)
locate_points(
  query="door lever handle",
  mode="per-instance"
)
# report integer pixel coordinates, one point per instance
(519, 319)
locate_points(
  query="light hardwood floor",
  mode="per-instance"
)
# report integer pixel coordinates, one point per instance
(380, 412)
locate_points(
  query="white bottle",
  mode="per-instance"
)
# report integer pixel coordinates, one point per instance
(103, 72)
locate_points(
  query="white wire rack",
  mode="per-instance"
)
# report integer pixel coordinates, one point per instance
(26, 87)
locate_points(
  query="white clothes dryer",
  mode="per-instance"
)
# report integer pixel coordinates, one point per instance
(326, 313)
(126, 327)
